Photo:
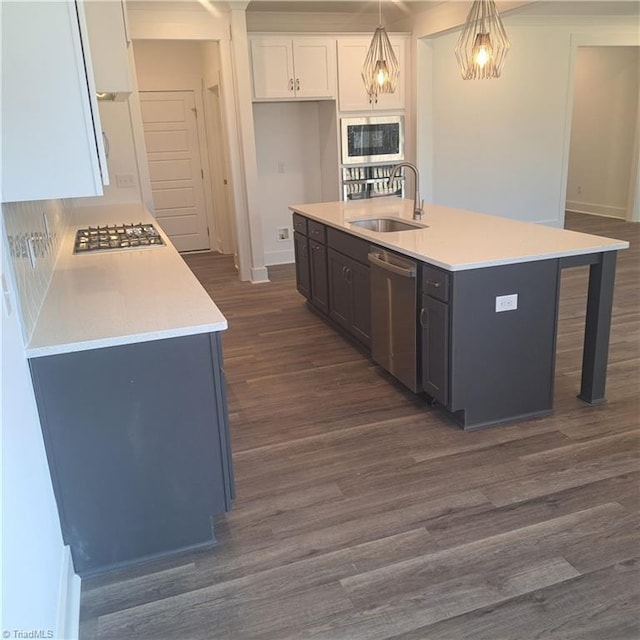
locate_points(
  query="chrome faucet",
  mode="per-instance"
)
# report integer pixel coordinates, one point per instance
(418, 205)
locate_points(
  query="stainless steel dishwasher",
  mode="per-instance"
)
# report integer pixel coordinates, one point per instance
(394, 315)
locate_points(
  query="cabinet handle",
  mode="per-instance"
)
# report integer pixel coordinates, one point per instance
(349, 275)
(316, 247)
(290, 84)
(297, 84)
(304, 250)
(433, 283)
(422, 316)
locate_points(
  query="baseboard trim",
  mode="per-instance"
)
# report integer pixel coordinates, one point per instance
(259, 274)
(607, 211)
(285, 256)
(68, 624)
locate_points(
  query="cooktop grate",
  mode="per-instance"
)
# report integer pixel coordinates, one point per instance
(119, 236)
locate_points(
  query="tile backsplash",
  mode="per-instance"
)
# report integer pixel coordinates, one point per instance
(34, 232)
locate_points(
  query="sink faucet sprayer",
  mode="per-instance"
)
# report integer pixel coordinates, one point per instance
(418, 204)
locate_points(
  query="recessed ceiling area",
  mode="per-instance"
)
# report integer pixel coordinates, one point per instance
(391, 9)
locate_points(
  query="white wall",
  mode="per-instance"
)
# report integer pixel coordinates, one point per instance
(289, 168)
(167, 65)
(124, 181)
(605, 107)
(36, 593)
(500, 146)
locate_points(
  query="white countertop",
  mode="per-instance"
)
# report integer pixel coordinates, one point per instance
(455, 239)
(103, 299)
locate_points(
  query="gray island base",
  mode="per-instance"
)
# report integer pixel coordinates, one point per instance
(482, 363)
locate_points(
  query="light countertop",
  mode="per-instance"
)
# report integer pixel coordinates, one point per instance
(455, 239)
(102, 299)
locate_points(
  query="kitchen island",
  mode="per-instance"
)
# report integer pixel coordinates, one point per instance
(487, 301)
(126, 361)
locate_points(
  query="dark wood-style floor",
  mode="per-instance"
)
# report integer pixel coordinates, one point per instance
(362, 513)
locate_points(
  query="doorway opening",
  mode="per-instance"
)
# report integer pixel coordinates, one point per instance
(602, 171)
(186, 143)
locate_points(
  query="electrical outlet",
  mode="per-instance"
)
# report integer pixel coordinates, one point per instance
(507, 303)
(283, 233)
(579, 189)
(125, 180)
(282, 167)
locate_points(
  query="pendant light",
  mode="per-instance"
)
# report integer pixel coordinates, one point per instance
(483, 43)
(380, 71)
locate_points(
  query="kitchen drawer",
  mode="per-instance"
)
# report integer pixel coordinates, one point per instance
(317, 231)
(349, 245)
(435, 282)
(300, 224)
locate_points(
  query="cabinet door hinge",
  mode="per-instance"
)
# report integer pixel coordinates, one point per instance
(195, 111)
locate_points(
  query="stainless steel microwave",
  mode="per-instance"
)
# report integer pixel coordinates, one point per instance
(372, 139)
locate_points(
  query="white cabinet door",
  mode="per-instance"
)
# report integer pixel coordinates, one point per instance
(272, 64)
(51, 137)
(315, 67)
(108, 39)
(351, 92)
(285, 69)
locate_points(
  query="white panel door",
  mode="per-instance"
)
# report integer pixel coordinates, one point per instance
(173, 153)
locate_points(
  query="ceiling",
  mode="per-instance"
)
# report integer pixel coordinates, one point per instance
(392, 10)
(398, 8)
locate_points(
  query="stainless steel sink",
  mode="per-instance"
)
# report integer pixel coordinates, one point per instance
(385, 225)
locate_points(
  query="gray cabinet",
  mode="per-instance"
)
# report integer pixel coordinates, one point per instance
(309, 241)
(332, 272)
(303, 268)
(349, 284)
(137, 440)
(434, 329)
(483, 365)
(319, 282)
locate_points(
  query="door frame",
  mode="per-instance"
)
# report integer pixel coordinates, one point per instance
(229, 30)
(217, 153)
(622, 37)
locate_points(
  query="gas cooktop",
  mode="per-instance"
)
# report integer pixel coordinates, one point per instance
(119, 236)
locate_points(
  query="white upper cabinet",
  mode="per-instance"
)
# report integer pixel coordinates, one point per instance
(52, 143)
(108, 40)
(351, 92)
(299, 68)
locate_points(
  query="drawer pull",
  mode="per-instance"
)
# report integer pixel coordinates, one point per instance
(433, 283)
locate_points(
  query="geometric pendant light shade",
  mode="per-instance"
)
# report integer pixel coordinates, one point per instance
(483, 43)
(380, 71)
